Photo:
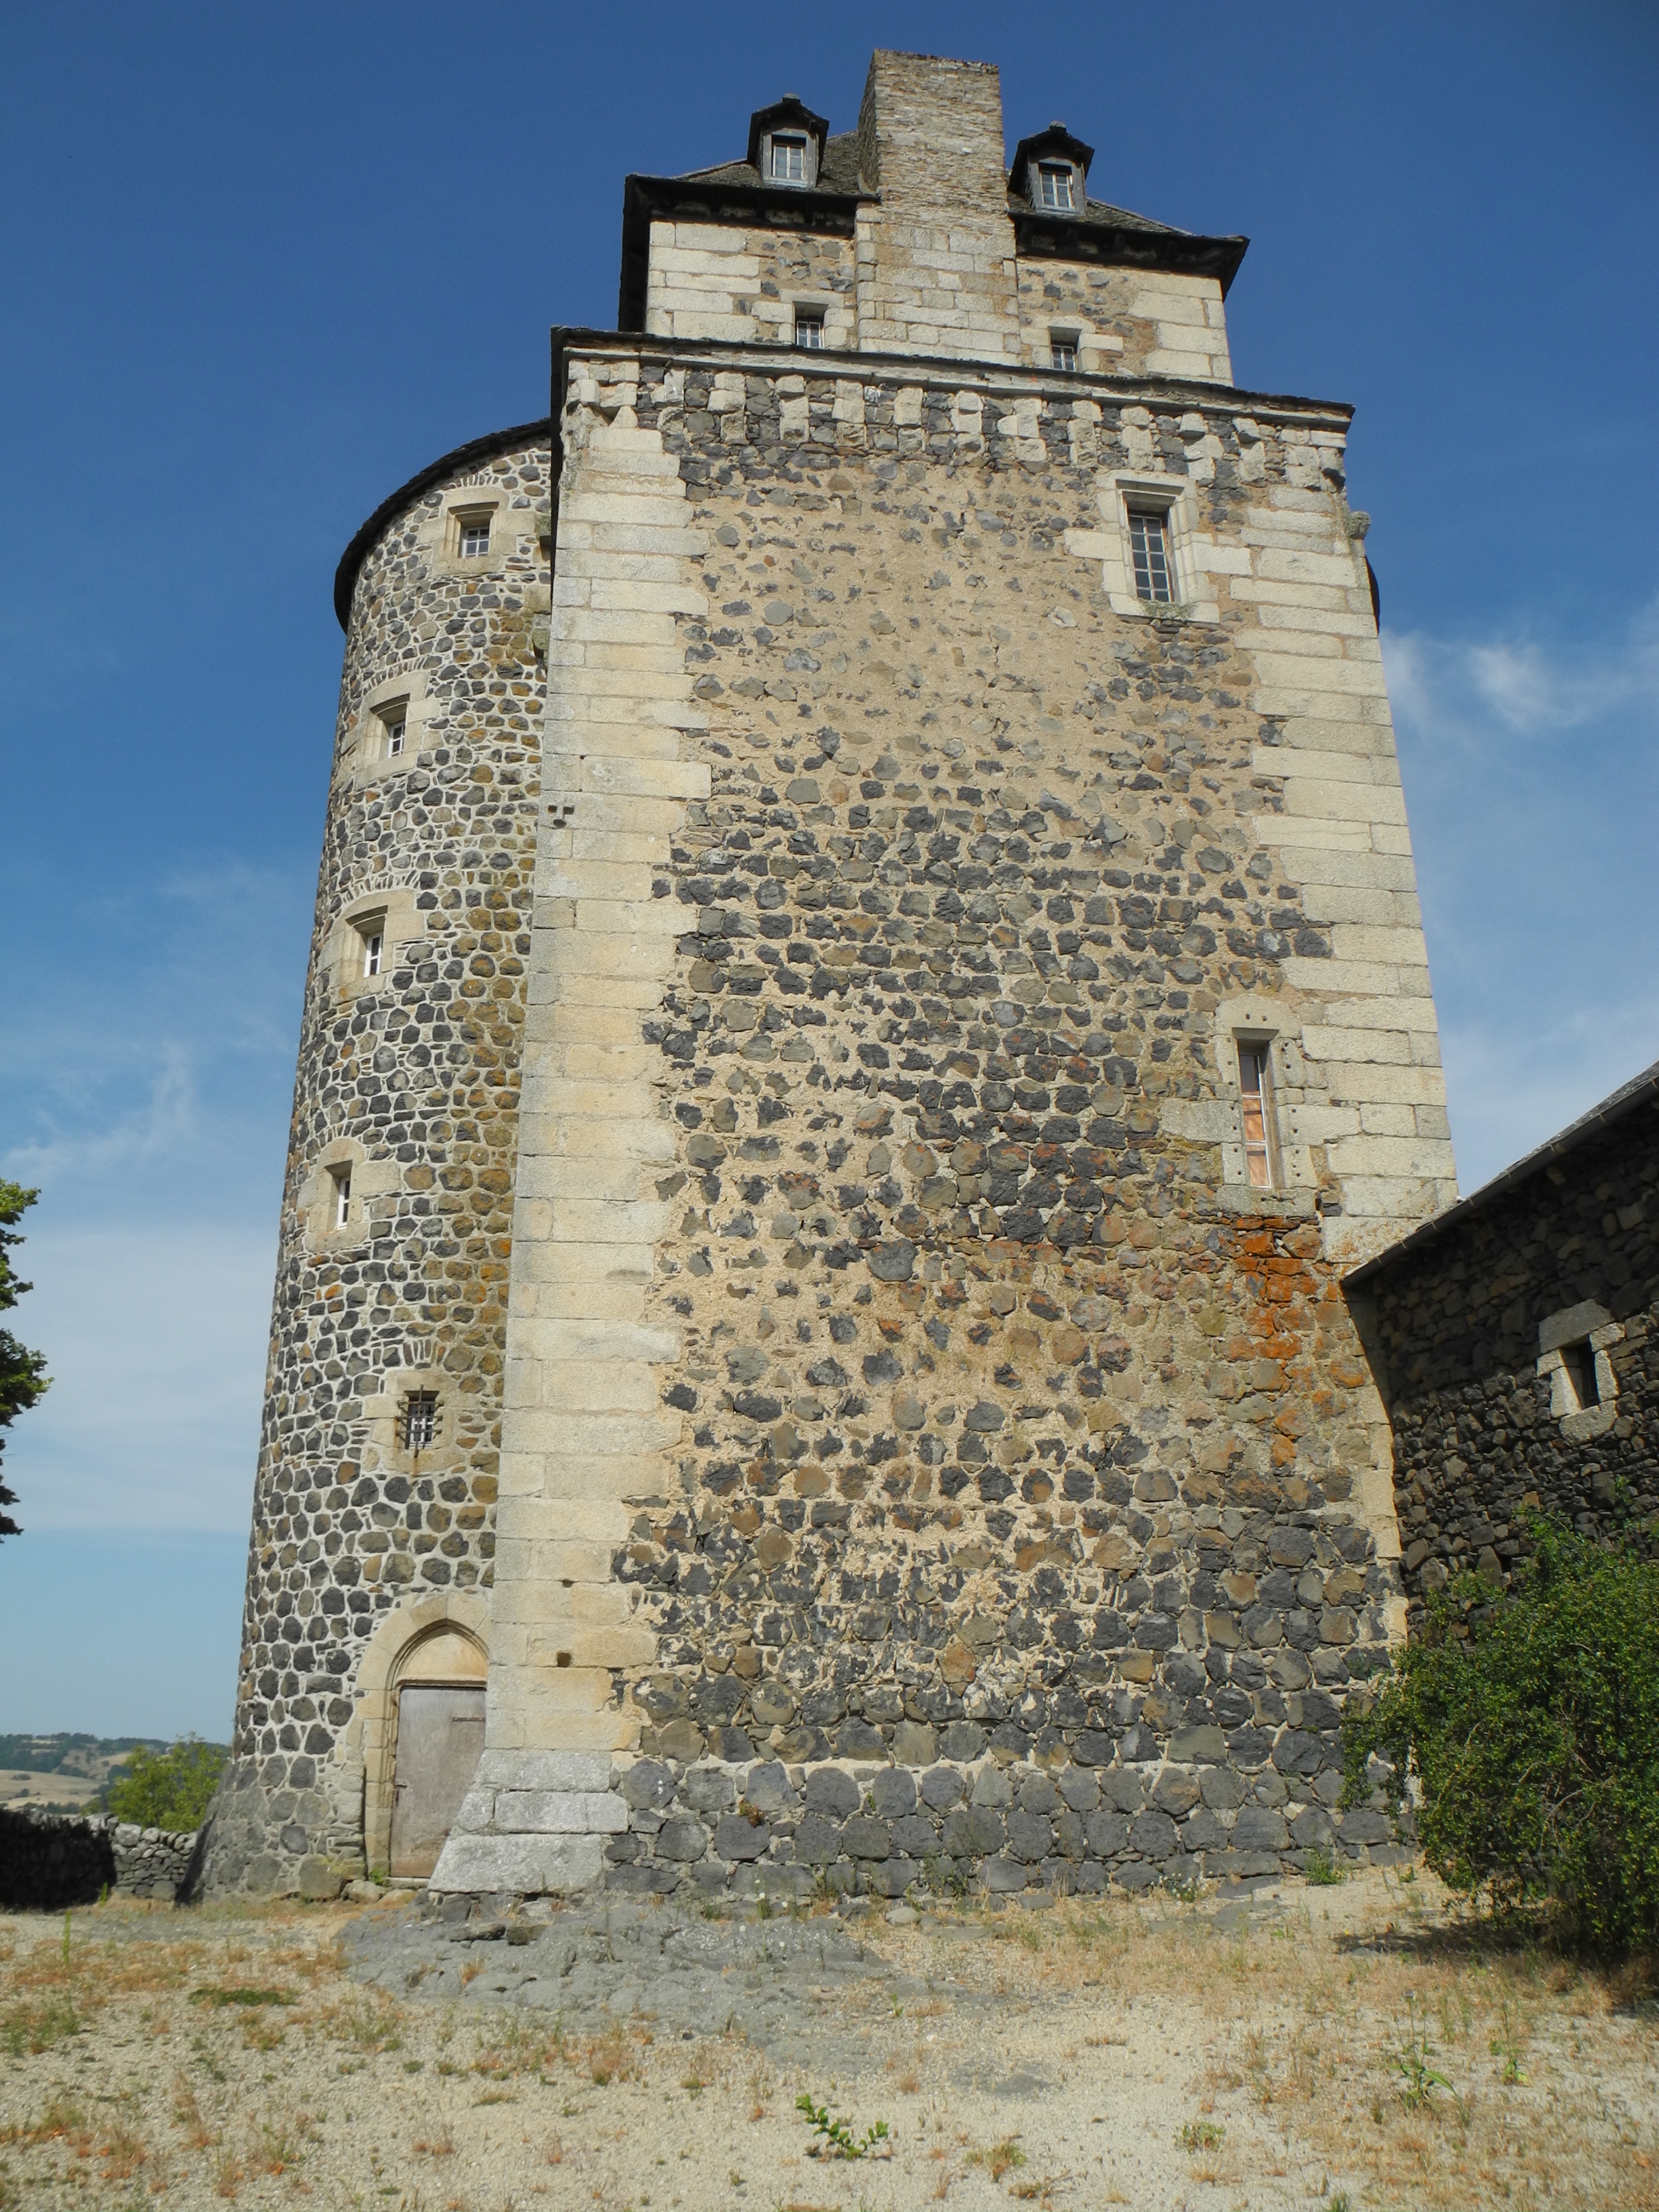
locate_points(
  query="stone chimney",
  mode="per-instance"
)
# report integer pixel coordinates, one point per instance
(936, 260)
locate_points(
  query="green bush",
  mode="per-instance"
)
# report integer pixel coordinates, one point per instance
(1530, 1723)
(170, 1789)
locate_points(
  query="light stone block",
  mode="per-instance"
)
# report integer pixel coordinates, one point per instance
(531, 1866)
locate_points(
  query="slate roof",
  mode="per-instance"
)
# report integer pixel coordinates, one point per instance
(838, 172)
(1641, 1090)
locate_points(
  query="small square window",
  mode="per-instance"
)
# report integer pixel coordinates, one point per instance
(474, 536)
(809, 328)
(1149, 545)
(342, 1181)
(1062, 348)
(1255, 1088)
(419, 1422)
(1054, 188)
(788, 159)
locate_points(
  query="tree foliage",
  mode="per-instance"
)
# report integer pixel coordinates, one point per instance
(170, 1789)
(23, 1372)
(1530, 1724)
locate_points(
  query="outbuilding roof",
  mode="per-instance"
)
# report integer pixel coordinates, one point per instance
(1641, 1090)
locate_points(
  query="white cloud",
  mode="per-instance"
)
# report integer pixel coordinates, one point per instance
(1459, 687)
(156, 1340)
(1531, 775)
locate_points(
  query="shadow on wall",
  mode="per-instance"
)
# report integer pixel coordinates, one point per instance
(50, 1861)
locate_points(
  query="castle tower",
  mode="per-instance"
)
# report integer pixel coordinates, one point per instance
(972, 1010)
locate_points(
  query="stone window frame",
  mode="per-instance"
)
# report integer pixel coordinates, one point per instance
(1589, 1324)
(363, 754)
(1119, 491)
(1261, 1021)
(459, 515)
(383, 1447)
(370, 1179)
(809, 311)
(402, 924)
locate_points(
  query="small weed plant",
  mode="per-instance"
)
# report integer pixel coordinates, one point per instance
(836, 2138)
(1321, 1870)
(1200, 2135)
(1418, 2079)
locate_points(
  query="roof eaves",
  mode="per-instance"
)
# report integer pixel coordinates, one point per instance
(1641, 1090)
(477, 449)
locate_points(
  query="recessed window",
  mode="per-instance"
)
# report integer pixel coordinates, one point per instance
(474, 536)
(394, 736)
(341, 1178)
(1055, 185)
(1149, 546)
(1062, 348)
(1579, 1360)
(788, 158)
(1255, 1088)
(420, 1419)
(809, 328)
(373, 942)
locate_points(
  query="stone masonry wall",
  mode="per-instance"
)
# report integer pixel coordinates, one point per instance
(48, 1860)
(1130, 322)
(1481, 1437)
(1001, 1434)
(415, 1072)
(726, 280)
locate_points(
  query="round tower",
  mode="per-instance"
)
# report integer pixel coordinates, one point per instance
(369, 1567)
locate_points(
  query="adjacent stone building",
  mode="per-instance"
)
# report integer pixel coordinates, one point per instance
(867, 987)
(1516, 1337)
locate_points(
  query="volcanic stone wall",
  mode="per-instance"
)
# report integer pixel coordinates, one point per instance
(411, 1076)
(1014, 1444)
(1484, 1435)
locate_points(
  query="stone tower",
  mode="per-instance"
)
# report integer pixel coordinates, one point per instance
(898, 770)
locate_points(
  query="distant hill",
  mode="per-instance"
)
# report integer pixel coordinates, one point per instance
(66, 1772)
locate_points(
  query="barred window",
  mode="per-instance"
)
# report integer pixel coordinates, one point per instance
(420, 1419)
(1062, 348)
(789, 159)
(1255, 1084)
(1149, 544)
(1055, 185)
(474, 535)
(809, 328)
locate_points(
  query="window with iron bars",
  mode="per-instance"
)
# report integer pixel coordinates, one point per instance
(420, 1419)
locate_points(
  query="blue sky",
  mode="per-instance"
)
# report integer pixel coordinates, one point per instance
(262, 264)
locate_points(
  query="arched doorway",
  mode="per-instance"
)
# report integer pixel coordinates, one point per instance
(438, 1723)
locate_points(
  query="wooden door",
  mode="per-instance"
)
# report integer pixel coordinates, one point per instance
(440, 1735)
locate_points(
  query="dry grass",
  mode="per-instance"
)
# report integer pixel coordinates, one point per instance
(1368, 2033)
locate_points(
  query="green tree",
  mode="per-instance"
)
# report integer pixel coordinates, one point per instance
(170, 1789)
(23, 1372)
(1529, 1723)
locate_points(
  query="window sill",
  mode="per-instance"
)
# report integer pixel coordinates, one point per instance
(1279, 1204)
(1172, 611)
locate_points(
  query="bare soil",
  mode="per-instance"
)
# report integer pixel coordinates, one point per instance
(1365, 2043)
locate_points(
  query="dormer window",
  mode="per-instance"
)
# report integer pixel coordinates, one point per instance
(1055, 186)
(788, 158)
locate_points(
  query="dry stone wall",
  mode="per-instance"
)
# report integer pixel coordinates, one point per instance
(1012, 1448)
(1463, 1326)
(411, 1078)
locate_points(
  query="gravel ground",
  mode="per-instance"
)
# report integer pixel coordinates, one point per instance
(1272, 2051)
